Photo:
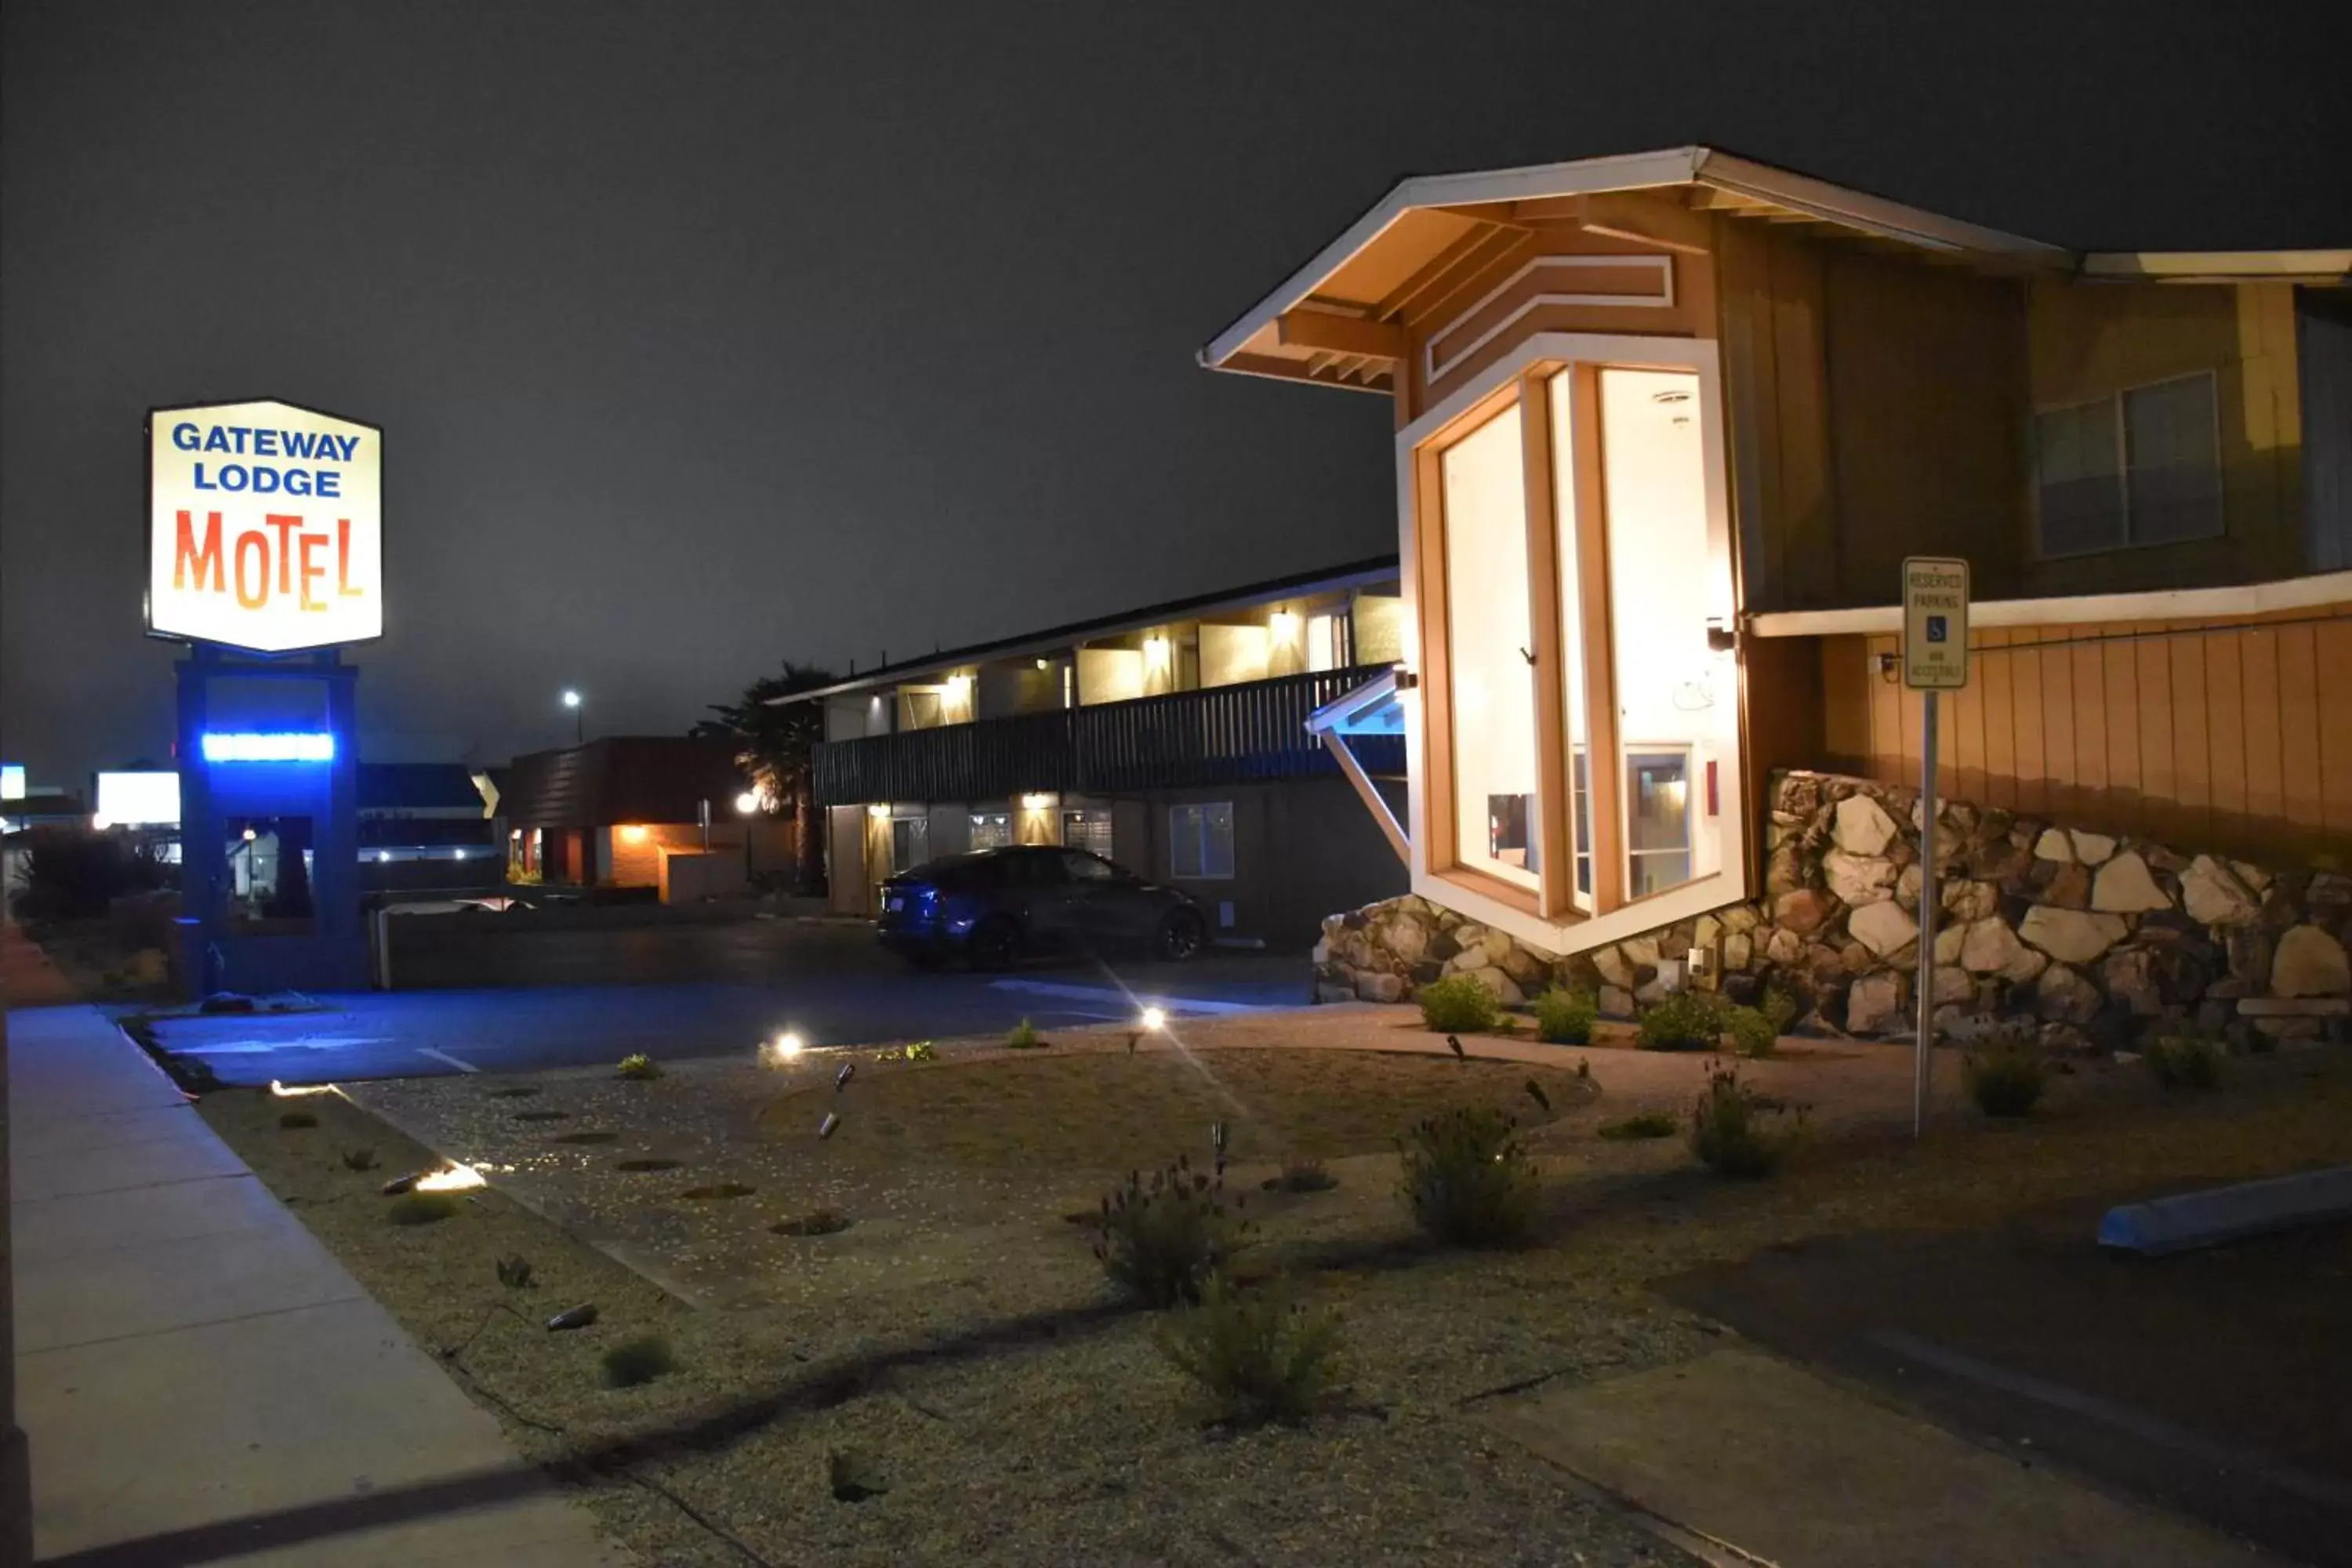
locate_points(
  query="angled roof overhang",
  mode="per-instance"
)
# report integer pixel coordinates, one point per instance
(1338, 320)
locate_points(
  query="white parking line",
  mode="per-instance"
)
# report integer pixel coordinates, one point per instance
(446, 1056)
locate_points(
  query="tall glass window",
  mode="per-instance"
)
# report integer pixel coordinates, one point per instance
(1490, 652)
(1653, 479)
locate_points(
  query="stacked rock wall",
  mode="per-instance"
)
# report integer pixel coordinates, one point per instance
(2094, 936)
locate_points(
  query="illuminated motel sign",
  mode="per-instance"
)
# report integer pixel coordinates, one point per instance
(265, 526)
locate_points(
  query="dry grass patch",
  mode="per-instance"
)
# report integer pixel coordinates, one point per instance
(1109, 1111)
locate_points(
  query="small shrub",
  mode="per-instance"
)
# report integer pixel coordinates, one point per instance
(2005, 1076)
(1259, 1355)
(1752, 1031)
(1302, 1173)
(1025, 1037)
(2182, 1060)
(638, 1361)
(1728, 1132)
(920, 1051)
(1565, 1017)
(1642, 1124)
(639, 1068)
(514, 1272)
(423, 1208)
(1467, 1179)
(295, 1121)
(1685, 1021)
(1780, 1009)
(1458, 1005)
(1161, 1240)
(359, 1159)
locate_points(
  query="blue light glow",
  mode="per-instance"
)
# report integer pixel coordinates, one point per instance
(293, 746)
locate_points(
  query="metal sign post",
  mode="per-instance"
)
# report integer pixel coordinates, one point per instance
(1935, 660)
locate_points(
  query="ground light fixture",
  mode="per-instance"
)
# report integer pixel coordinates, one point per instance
(1154, 1019)
(785, 1048)
(279, 746)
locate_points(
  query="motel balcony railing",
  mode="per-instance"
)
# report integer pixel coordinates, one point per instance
(1222, 734)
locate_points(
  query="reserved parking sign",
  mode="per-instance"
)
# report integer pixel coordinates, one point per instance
(1934, 623)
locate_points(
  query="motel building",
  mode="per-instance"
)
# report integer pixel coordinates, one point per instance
(1667, 428)
(1170, 739)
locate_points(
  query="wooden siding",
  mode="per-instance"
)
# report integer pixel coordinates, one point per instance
(2224, 734)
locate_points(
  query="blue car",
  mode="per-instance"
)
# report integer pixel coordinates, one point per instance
(995, 906)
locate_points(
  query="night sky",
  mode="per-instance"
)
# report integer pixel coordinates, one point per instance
(707, 336)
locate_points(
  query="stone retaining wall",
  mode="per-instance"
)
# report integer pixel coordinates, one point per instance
(2094, 936)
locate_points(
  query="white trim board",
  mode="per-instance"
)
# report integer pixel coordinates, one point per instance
(1664, 299)
(2165, 604)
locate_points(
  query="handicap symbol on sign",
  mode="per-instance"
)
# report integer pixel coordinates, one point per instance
(1935, 628)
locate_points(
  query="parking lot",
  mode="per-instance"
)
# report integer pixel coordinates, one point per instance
(473, 996)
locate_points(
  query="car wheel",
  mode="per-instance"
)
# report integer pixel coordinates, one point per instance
(1181, 935)
(995, 944)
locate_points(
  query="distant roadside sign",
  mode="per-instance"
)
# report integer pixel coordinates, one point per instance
(1934, 623)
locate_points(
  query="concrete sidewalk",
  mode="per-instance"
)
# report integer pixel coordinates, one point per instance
(202, 1381)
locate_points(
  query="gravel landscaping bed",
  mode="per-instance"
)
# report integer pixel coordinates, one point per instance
(956, 1342)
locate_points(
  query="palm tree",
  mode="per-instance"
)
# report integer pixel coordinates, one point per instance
(773, 746)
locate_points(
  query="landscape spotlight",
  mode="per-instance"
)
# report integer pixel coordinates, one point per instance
(786, 1046)
(1155, 1019)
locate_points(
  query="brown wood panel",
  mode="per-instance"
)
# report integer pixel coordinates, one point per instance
(2192, 753)
(2061, 735)
(1885, 714)
(2298, 691)
(1597, 627)
(2119, 683)
(2159, 775)
(2026, 727)
(2225, 712)
(2092, 778)
(2265, 771)
(1845, 699)
(1993, 673)
(2333, 643)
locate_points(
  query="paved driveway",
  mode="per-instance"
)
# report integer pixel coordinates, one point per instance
(505, 1002)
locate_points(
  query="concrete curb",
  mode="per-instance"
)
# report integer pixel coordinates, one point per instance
(2190, 1220)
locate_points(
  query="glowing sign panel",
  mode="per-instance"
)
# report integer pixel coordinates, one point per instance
(297, 746)
(140, 799)
(265, 526)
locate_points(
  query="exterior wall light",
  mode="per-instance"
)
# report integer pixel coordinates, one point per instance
(1036, 802)
(294, 746)
(878, 809)
(1155, 652)
(634, 833)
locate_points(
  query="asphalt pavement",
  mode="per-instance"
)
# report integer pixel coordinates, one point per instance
(486, 1000)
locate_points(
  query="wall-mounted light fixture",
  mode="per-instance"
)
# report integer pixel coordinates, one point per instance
(878, 808)
(1036, 802)
(292, 746)
(1284, 624)
(1155, 652)
(634, 833)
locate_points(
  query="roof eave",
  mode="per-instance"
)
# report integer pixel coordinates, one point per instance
(1690, 166)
